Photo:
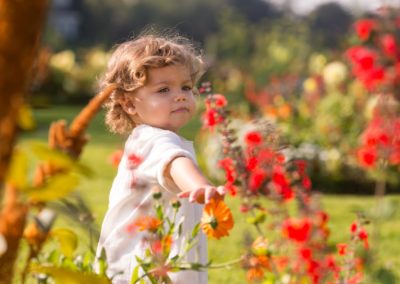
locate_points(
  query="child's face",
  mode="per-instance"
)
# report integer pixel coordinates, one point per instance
(166, 100)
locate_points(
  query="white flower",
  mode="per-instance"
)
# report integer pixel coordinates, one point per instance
(64, 60)
(334, 73)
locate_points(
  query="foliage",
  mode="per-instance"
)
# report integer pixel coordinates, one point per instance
(67, 76)
(61, 263)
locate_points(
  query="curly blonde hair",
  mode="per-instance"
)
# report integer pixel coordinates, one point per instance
(128, 65)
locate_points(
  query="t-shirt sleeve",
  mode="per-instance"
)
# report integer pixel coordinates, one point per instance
(161, 150)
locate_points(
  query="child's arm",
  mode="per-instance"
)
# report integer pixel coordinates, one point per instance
(188, 177)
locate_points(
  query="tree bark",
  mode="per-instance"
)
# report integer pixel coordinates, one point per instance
(21, 23)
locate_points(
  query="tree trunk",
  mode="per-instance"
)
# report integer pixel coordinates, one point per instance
(20, 27)
(21, 23)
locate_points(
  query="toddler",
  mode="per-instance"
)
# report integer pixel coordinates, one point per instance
(154, 79)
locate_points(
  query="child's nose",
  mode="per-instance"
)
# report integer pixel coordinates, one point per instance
(180, 96)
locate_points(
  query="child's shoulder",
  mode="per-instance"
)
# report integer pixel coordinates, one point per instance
(146, 132)
(147, 135)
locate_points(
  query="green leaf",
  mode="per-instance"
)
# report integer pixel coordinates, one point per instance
(67, 239)
(102, 262)
(58, 158)
(63, 275)
(87, 260)
(160, 213)
(180, 229)
(53, 257)
(44, 153)
(18, 170)
(56, 187)
(135, 275)
(196, 230)
(259, 218)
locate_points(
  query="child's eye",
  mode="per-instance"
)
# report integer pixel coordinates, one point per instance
(186, 88)
(163, 90)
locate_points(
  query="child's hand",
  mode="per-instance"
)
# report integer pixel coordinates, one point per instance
(204, 194)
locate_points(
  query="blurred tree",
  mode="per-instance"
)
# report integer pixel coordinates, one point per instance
(109, 22)
(20, 26)
(330, 23)
(255, 10)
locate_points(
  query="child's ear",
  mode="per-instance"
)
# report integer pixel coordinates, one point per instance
(127, 104)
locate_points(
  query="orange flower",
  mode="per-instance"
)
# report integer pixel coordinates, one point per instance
(115, 158)
(256, 266)
(255, 274)
(144, 223)
(217, 219)
(166, 243)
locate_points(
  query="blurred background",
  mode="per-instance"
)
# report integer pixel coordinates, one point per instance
(283, 60)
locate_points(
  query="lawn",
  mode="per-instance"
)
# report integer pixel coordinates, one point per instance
(340, 208)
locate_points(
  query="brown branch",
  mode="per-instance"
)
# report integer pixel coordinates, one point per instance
(20, 28)
(80, 123)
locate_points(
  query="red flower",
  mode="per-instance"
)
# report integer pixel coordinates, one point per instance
(371, 78)
(301, 166)
(228, 165)
(389, 46)
(220, 100)
(266, 155)
(331, 264)
(355, 279)
(251, 163)
(253, 138)
(281, 184)
(363, 235)
(367, 157)
(306, 182)
(364, 27)
(353, 227)
(280, 158)
(305, 253)
(256, 179)
(342, 249)
(322, 218)
(297, 229)
(210, 118)
(361, 57)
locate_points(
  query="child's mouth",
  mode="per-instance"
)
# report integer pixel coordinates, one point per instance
(181, 109)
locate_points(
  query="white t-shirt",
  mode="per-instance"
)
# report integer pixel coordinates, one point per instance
(129, 199)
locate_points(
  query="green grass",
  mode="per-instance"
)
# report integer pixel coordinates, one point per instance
(340, 208)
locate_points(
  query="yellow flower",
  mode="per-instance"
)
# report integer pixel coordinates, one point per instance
(217, 219)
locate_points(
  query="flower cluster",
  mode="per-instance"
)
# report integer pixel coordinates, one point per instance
(376, 63)
(257, 172)
(380, 141)
(376, 59)
(159, 232)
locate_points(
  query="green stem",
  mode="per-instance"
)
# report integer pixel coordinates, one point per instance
(214, 266)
